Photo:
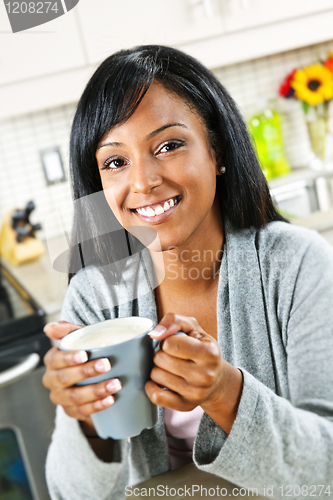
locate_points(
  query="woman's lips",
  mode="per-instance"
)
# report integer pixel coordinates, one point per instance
(159, 211)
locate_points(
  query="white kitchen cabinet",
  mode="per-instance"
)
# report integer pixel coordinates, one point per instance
(110, 25)
(49, 65)
(265, 34)
(245, 14)
(47, 49)
(218, 32)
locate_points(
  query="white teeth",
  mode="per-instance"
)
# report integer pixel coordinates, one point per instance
(159, 210)
(149, 212)
(142, 211)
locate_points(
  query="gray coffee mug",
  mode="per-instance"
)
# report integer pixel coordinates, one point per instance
(131, 362)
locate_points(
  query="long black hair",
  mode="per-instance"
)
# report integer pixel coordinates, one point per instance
(112, 95)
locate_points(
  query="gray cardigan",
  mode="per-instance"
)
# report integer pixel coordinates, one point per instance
(275, 322)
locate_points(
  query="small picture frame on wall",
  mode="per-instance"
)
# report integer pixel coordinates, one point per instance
(52, 166)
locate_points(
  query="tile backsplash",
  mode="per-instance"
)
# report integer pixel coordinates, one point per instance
(22, 178)
(23, 137)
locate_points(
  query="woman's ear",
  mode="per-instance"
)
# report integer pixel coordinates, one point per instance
(218, 160)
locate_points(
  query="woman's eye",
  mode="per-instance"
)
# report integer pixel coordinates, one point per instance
(113, 163)
(171, 146)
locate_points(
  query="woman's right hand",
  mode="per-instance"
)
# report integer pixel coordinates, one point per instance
(65, 369)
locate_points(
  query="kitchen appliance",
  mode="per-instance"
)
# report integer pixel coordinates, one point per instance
(26, 412)
(18, 242)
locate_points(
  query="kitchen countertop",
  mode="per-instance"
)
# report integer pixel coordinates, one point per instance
(45, 285)
(299, 174)
(320, 221)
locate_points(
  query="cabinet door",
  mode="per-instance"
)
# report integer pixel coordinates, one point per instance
(47, 49)
(111, 25)
(243, 14)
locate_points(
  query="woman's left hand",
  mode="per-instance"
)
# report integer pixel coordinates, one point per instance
(192, 369)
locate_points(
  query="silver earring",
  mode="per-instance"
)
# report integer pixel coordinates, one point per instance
(222, 170)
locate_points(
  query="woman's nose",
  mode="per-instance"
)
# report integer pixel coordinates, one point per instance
(144, 175)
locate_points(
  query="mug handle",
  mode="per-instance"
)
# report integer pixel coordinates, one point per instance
(156, 343)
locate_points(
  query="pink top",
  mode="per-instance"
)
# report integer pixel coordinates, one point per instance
(181, 428)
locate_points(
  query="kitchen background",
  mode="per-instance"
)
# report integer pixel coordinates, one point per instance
(251, 45)
(23, 137)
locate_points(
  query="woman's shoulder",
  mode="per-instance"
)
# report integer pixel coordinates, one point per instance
(280, 245)
(288, 246)
(276, 234)
(81, 301)
(296, 238)
(99, 293)
(105, 284)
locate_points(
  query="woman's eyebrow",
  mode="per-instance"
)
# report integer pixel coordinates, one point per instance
(109, 144)
(160, 129)
(149, 136)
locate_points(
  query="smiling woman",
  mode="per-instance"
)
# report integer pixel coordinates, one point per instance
(166, 158)
(250, 386)
(123, 81)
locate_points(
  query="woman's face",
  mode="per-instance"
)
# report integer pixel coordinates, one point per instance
(157, 171)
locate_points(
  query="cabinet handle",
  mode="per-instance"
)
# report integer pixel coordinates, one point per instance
(20, 370)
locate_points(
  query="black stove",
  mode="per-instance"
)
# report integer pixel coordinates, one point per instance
(26, 412)
(21, 323)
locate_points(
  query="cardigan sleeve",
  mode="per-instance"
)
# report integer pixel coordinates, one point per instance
(275, 442)
(73, 471)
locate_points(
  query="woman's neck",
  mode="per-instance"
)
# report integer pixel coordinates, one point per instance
(195, 265)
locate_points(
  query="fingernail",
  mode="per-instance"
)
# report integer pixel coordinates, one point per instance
(102, 365)
(49, 324)
(108, 401)
(80, 357)
(113, 385)
(158, 330)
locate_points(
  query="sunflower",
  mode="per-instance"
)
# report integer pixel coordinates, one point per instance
(313, 84)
